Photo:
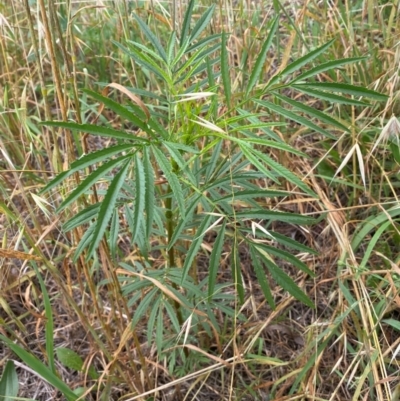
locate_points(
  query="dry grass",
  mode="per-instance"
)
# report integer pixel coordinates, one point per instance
(345, 349)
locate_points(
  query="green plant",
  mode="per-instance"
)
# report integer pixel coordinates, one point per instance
(197, 162)
(9, 382)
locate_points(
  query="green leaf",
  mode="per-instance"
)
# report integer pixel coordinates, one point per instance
(173, 318)
(114, 233)
(225, 70)
(248, 152)
(202, 23)
(9, 384)
(186, 22)
(261, 278)
(259, 64)
(145, 304)
(122, 112)
(86, 161)
(149, 193)
(160, 328)
(215, 259)
(275, 145)
(392, 322)
(327, 66)
(371, 223)
(155, 310)
(180, 161)
(84, 216)
(254, 156)
(215, 157)
(330, 97)
(171, 48)
(280, 253)
(152, 38)
(312, 111)
(107, 208)
(171, 178)
(95, 130)
(140, 193)
(251, 194)
(236, 270)
(40, 368)
(294, 117)
(344, 88)
(300, 62)
(182, 222)
(49, 322)
(91, 180)
(202, 43)
(290, 243)
(271, 215)
(69, 358)
(84, 242)
(145, 61)
(283, 280)
(195, 245)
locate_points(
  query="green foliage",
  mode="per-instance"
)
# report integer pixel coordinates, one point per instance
(192, 159)
(9, 385)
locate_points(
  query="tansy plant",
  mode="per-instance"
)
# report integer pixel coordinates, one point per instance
(198, 165)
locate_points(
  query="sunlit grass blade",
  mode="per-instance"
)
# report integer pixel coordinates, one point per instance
(225, 70)
(259, 64)
(215, 259)
(294, 117)
(330, 65)
(152, 38)
(196, 243)
(312, 111)
(107, 208)
(344, 88)
(91, 180)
